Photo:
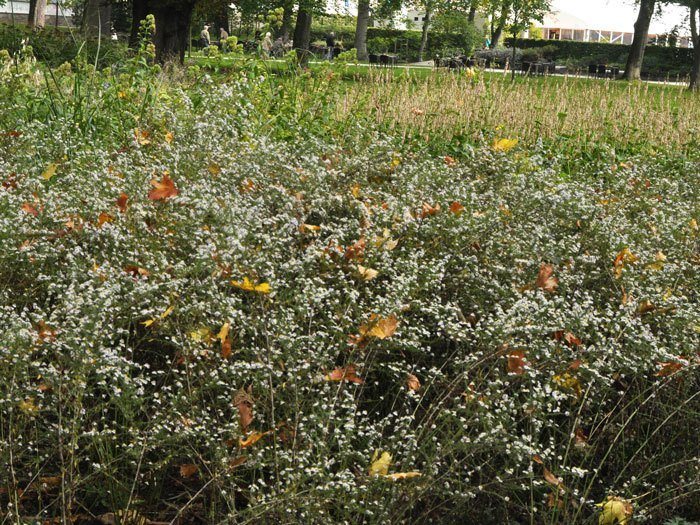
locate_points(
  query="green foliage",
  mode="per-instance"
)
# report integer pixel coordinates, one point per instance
(659, 61)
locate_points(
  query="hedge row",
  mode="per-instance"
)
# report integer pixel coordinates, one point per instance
(658, 60)
(56, 46)
(405, 44)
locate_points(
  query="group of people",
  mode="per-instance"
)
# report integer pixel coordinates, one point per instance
(267, 47)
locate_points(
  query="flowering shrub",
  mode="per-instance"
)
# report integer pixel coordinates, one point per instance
(206, 320)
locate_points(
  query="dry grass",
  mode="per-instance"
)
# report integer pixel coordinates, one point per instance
(581, 111)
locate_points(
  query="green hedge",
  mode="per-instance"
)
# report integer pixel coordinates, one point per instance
(56, 46)
(658, 61)
(405, 43)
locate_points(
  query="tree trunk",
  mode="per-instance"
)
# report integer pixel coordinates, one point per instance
(139, 11)
(361, 29)
(286, 29)
(424, 36)
(32, 13)
(472, 11)
(497, 33)
(302, 36)
(40, 14)
(97, 18)
(633, 69)
(695, 32)
(172, 29)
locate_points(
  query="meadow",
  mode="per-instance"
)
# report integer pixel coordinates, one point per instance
(246, 295)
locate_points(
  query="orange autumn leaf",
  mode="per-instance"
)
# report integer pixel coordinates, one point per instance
(45, 332)
(163, 189)
(122, 202)
(450, 161)
(356, 250)
(668, 368)
(516, 362)
(428, 210)
(347, 373)
(380, 327)
(188, 470)
(550, 478)
(580, 438)
(624, 257)
(545, 279)
(456, 208)
(30, 209)
(142, 137)
(237, 462)
(136, 271)
(413, 383)
(252, 439)
(537, 459)
(104, 218)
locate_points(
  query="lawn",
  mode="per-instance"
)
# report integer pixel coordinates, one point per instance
(244, 294)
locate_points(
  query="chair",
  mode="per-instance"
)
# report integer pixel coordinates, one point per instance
(592, 70)
(384, 60)
(373, 59)
(602, 70)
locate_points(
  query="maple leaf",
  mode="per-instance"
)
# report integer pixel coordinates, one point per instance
(103, 218)
(356, 250)
(504, 145)
(450, 161)
(249, 286)
(163, 189)
(122, 202)
(428, 210)
(347, 373)
(668, 368)
(188, 470)
(29, 209)
(413, 383)
(142, 137)
(456, 208)
(379, 464)
(624, 258)
(545, 279)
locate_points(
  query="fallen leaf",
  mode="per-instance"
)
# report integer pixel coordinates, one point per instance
(580, 438)
(30, 209)
(122, 202)
(136, 271)
(243, 401)
(252, 439)
(668, 368)
(450, 161)
(104, 218)
(456, 208)
(248, 286)
(545, 279)
(142, 137)
(163, 189)
(366, 274)
(214, 169)
(347, 373)
(355, 190)
(516, 362)
(551, 478)
(413, 383)
(504, 145)
(624, 258)
(379, 327)
(28, 406)
(658, 264)
(615, 511)
(428, 210)
(188, 470)
(403, 475)
(169, 137)
(379, 465)
(356, 250)
(50, 171)
(236, 462)
(645, 307)
(309, 228)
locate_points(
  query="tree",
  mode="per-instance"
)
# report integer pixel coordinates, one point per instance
(694, 6)
(302, 34)
(523, 13)
(361, 29)
(633, 68)
(97, 18)
(37, 14)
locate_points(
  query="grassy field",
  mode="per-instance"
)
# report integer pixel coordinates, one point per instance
(246, 295)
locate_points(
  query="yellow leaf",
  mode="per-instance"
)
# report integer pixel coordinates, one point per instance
(169, 137)
(223, 333)
(366, 274)
(380, 327)
(615, 511)
(214, 169)
(201, 335)
(693, 225)
(380, 464)
(355, 190)
(28, 406)
(658, 264)
(623, 258)
(403, 475)
(148, 322)
(248, 286)
(505, 145)
(309, 228)
(167, 312)
(252, 439)
(50, 171)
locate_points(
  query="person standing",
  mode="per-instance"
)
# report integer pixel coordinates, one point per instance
(204, 38)
(330, 45)
(223, 36)
(266, 45)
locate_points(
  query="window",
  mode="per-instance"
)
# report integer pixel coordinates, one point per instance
(415, 19)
